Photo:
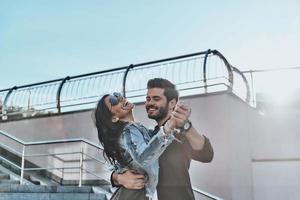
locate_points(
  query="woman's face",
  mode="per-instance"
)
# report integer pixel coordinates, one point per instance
(118, 105)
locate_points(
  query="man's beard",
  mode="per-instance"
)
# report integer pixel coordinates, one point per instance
(162, 113)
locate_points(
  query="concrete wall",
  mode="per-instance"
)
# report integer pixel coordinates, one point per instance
(237, 132)
(275, 140)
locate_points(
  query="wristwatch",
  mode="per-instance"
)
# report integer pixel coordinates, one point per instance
(187, 126)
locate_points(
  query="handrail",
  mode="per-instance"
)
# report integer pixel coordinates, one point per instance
(288, 159)
(109, 70)
(270, 69)
(12, 137)
(206, 194)
(48, 142)
(54, 92)
(252, 73)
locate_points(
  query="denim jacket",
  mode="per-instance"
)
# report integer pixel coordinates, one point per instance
(141, 152)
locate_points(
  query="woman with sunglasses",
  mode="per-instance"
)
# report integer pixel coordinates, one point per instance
(128, 145)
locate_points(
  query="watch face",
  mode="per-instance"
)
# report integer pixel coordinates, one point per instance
(187, 126)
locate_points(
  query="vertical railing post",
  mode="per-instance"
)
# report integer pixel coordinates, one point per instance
(63, 172)
(248, 93)
(81, 164)
(58, 106)
(204, 70)
(4, 113)
(229, 69)
(4, 105)
(124, 79)
(22, 165)
(252, 88)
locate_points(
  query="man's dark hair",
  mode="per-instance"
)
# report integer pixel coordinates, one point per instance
(169, 88)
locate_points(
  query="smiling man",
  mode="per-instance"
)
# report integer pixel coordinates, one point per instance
(174, 180)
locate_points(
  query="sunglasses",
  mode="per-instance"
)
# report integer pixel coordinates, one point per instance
(115, 98)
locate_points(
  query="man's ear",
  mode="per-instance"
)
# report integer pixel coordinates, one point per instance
(172, 104)
(115, 119)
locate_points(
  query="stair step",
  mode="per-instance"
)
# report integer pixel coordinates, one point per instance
(72, 189)
(15, 188)
(9, 181)
(4, 176)
(51, 196)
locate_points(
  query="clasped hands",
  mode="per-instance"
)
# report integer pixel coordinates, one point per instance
(179, 116)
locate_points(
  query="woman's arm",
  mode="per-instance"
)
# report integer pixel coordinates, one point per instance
(145, 152)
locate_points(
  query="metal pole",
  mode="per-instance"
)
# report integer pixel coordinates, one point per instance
(81, 164)
(248, 93)
(4, 106)
(252, 87)
(63, 172)
(22, 165)
(124, 79)
(58, 106)
(228, 66)
(204, 70)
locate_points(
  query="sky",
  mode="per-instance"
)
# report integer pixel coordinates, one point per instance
(48, 39)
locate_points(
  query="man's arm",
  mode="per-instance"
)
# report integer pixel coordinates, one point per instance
(205, 154)
(196, 140)
(129, 179)
(199, 146)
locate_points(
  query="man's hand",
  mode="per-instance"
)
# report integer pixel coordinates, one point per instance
(130, 179)
(181, 115)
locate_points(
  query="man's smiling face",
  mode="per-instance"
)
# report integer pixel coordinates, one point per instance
(156, 104)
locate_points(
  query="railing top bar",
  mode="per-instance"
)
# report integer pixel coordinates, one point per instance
(109, 70)
(33, 84)
(170, 59)
(92, 144)
(51, 141)
(140, 64)
(12, 137)
(63, 141)
(270, 70)
(99, 72)
(207, 194)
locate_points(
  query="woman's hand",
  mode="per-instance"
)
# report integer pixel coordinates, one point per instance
(170, 125)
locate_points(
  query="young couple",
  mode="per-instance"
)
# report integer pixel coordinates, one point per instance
(144, 159)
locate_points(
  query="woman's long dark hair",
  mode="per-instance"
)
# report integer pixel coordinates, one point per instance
(109, 132)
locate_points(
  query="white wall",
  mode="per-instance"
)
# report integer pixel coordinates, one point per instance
(276, 153)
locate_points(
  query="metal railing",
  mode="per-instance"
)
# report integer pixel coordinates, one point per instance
(265, 80)
(196, 73)
(206, 194)
(23, 155)
(81, 153)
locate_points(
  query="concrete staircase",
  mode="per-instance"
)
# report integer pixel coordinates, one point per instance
(10, 189)
(42, 185)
